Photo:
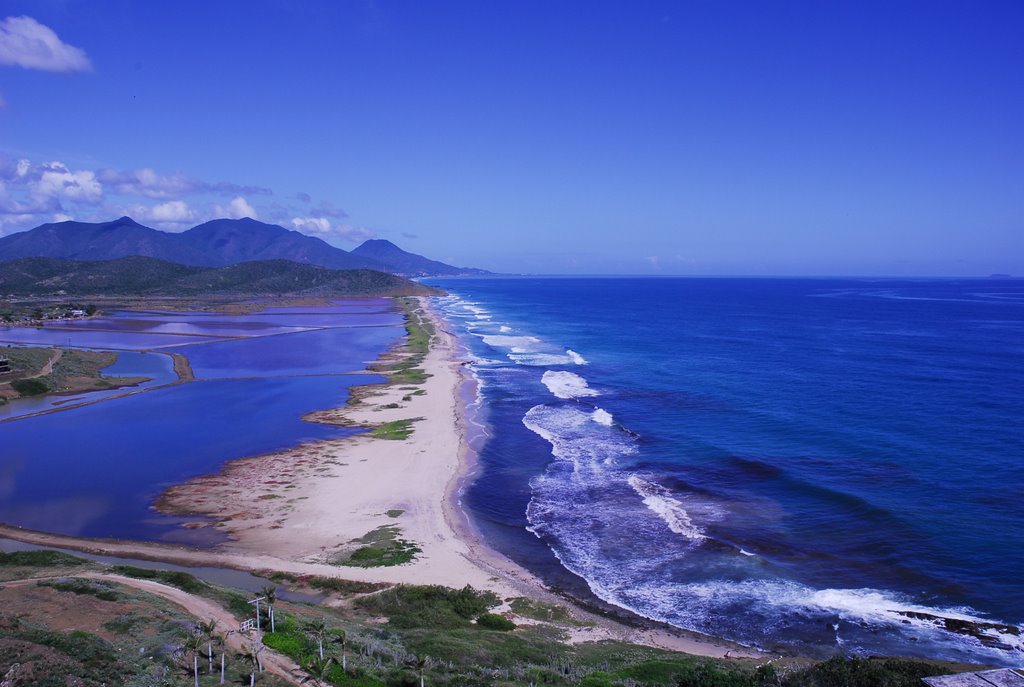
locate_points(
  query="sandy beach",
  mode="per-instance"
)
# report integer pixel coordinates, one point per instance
(307, 509)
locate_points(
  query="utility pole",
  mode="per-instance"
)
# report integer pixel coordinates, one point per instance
(259, 634)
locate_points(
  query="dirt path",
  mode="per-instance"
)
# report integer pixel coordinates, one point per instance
(203, 610)
(48, 367)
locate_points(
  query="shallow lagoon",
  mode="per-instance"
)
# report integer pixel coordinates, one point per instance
(95, 470)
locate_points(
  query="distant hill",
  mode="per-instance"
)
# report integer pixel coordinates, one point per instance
(230, 241)
(403, 262)
(102, 241)
(216, 243)
(144, 276)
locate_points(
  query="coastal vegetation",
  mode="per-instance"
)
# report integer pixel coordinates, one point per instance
(403, 366)
(383, 546)
(38, 371)
(379, 636)
(143, 276)
(395, 430)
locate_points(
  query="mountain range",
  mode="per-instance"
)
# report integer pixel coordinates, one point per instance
(216, 243)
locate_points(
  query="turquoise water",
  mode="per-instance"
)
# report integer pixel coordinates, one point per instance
(793, 464)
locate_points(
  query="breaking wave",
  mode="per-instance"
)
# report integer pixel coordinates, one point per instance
(660, 501)
(567, 385)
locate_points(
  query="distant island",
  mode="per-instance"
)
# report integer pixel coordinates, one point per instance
(216, 243)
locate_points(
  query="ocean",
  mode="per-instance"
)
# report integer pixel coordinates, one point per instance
(812, 466)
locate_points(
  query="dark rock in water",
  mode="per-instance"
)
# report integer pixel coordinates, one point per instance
(973, 628)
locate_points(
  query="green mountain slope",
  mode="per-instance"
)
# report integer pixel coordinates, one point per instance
(140, 276)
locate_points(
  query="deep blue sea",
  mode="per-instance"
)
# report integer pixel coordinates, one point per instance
(795, 464)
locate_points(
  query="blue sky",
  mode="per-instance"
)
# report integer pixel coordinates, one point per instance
(696, 137)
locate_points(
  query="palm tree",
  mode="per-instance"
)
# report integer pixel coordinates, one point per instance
(318, 629)
(340, 637)
(208, 631)
(251, 654)
(318, 671)
(270, 593)
(221, 641)
(419, 665)
(194, 645)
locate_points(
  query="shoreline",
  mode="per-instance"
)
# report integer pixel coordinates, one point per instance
(305, 509)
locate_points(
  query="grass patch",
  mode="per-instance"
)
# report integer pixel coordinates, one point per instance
(538, 610)
(238, 604)
(390, 406)
(43, 558)
(90, 659)
(123, 624)
(434, 606)
(396, 430)
(394, 512)
(382, 547)
(409, 375)
(344, 587)
(79, 586)
(181, 580)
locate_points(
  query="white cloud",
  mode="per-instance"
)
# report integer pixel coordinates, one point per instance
(238, 208)
(61, 217)
(147, 182)
(312, 225)
(24, 42)
(57, 181)
(322, 228)
(171, 211)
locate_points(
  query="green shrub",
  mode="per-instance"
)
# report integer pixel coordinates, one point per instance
(42, 558)
(409, 606)
(539, 610)
(30, 387)
(174, 578)
(82, 587)
(493, 621)
(95, 659)
(861, 672)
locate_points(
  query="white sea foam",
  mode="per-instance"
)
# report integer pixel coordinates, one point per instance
(537, 358)
(519, 344)
(667, 507)
(575, 438)
(602, 417)
(567, 384)
(575, 357)
(504, 329)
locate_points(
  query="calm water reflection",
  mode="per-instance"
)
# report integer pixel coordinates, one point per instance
(95, 470)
